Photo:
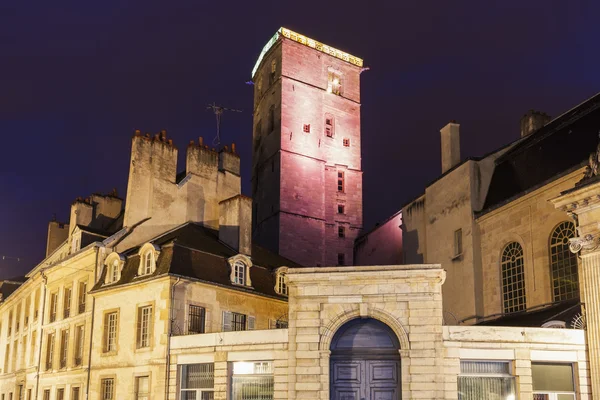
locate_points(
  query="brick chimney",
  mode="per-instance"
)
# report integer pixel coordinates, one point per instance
(235, 223)
(532, 121)
(450, 135)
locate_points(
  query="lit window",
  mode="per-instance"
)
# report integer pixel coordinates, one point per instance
(233, 321)
(196, 319)
(252, 380)
(273, 72)
(281, 286)
(340, 181)
(197, 381)
(341, 259)
(329, 127)
(552, 381)
(334, 83)
(513, 278)
(64, 348)
(341, 231)
(341, 209)
(79, 343)
(346, 142)
(143, 326)
(49, 350)
(458, 242)
(108, 389)
(239, 273)
(306, 128)
(67, 302)
(142, 387)
(563, 263)
(110, 332)
(490, 377)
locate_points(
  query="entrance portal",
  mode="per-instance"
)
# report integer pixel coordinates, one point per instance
(365, 362)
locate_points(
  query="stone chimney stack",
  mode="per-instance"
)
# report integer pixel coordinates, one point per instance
(532, 121)
(450, 135)
(235, 223)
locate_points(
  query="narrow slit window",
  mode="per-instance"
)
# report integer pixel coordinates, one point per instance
(346, 142)
(341, 231)
(306, 128)
(340, 181)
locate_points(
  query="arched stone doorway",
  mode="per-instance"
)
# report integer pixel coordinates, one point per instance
(365, 362)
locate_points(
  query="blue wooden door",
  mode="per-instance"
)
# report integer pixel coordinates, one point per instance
(365, 379)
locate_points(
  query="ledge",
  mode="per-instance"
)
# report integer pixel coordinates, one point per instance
(229, 338)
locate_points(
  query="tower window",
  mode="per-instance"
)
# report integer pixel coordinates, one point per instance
(334, 83)
(271, 119)
(329, 128)
(346, 142)
(341, 231)
(341, 259)
(458, 248)
(306, 128)
(341, 209)
(273, 70)
(340, 181)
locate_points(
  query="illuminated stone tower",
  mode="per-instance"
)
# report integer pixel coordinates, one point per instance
(306, 174)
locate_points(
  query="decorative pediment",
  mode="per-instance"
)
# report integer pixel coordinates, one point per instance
(240, 265)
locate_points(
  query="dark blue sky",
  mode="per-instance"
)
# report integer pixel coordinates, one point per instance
(77, 77)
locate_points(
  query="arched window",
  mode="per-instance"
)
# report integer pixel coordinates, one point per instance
(148, 254)
(563, 263)
(114, 272)
(147, 263)
(239, 273)
(513, 278)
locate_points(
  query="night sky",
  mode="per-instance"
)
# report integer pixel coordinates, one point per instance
(77, 77)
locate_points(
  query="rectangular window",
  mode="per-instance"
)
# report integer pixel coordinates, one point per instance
(32, 350)
(142, 387)
(306, 128)
(341, 259)
(79, 343)
(341, 231)
(341, 209)
(36, 304)
(252, 380)
(29, 395)
(23, 360)
(60, 394)
(340, 181)
(49, 350)
(278, 324)
(346, 142)
(10, 322)
(20, 392)
(67, 302)
(27, 311)
(197, 382)
(18, 318)
(233, 321)
(458, 242)
(271, 119)
(107, 388)
(239, 273)
(64, 348)
(82, 297)
(329, 128)
(143, 326)
(110, 332)
(75, 393)
(490, 377)
(47, 394)
(334, 83)
(53, 306)
(552, 381)
(196, 319)
(14, 355)
(6, 358)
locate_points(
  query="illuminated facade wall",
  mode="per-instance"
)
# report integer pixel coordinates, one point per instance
(307, 178)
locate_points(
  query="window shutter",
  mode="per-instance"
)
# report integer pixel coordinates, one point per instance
(251, 323)
(227, 319)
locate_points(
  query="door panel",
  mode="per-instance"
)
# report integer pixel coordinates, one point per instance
(365, 379)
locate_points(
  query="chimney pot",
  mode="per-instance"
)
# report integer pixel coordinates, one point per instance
(450, 135)
(137, 132)
(170, 141)
(163, 135)
(192, 143)
(201, 141)
(533, 121)
(233, 147)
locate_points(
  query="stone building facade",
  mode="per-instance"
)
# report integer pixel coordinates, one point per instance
(307, 177)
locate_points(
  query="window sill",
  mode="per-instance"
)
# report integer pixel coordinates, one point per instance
(109, 353)
(242, 286)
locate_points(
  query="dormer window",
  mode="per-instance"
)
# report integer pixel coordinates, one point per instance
(240, 270)
(239, 273)
(148, 256)
(114, 263)
(280, 283)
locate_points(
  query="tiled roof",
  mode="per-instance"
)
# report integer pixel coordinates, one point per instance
(561, 146)
(195, 252)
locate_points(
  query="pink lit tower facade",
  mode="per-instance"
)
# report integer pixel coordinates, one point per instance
(306, 172)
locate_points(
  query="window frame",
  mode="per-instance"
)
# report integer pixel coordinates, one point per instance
(67, 300)
(141, 341)
(341, 182)
(104, 381)
(81, 296)
(335, 82)
(511, 274)
(136, 387)
(329, 124)
(255, 375)
(50, 348)
(78, 349)
(198, 391)
(106, 348)
(562, 261)
(507, 375)
(64, 348)
(281, 286)
(553, 394)
(201, 318)
(458, 243)
(346, 142)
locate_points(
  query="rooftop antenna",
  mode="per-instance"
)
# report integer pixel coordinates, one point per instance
(218, 110)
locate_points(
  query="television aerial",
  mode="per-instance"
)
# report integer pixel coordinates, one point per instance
(218, 110)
